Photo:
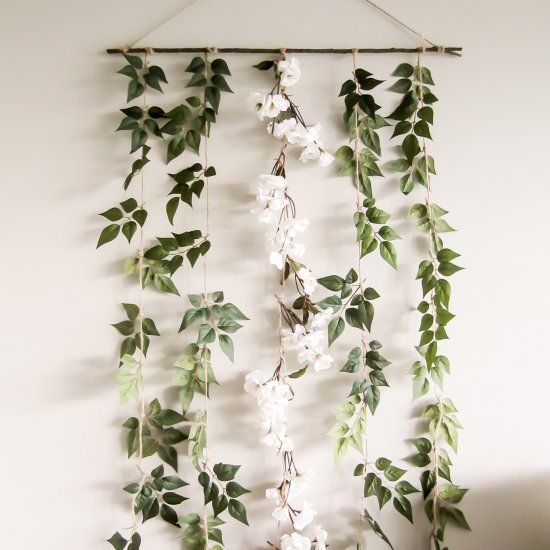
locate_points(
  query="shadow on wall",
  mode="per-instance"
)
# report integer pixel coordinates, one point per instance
(510, 516)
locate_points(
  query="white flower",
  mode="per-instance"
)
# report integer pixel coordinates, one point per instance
(320, 320)
(308, 280)
(256, 100)
(272, 106)
(326, 159)
(290, 340)
(323, 362)
(293, 227)
(282, 129)
(311, 152)
(269, 182)
(254, 381)
(276, 259)
(300, 481)
(281, 514)
(287, 444)
(290, 71)
(295, 541)
(305, 517)
(304, 136)
(320, 537)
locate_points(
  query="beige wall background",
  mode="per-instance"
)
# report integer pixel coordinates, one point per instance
(62, 458)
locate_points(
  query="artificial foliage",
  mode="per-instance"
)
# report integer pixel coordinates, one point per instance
(301, 323)
(414, 117)
(353, 303)
(158, 436)
(159, 433)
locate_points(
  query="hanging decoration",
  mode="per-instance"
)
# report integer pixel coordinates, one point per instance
(352, 300)
(153, 431)
(158, 436)
(414, 116)
(302, 325)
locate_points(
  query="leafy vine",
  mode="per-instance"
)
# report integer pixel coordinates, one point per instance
(414, 117)
(351, 297)
(153, 431)
(305, 322)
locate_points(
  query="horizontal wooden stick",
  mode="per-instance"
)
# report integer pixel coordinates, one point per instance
(451, 50)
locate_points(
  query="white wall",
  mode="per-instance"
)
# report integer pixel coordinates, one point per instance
(62, 455)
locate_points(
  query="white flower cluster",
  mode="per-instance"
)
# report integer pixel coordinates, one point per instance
(272, 396)
(290, 129)
(297, 541)
(308, 342)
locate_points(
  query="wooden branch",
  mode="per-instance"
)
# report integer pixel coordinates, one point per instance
(450, 50)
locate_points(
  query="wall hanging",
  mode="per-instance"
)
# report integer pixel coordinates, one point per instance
(159, 437)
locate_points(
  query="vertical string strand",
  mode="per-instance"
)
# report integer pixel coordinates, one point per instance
(141, 359)
(204, 356)
(432, 255)
(359, 275)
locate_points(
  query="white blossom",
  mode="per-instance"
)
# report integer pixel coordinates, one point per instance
(271, 105)
(321, 320)
(282, 129)
(322, 361)
(311, 152)
(254, 381)
(308, 280)
(326, 159)
(295, 541)
(276, 259)
(290, 71)
(305, 517)
(320, 537)
(303, 135)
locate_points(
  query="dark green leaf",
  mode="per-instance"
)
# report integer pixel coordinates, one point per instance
(108, 234)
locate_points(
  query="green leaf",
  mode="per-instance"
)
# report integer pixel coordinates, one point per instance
(264, 65)
(388, 234)
(405, 488)
(402, 127)
(226, 344)
(193, 139)
(452, 493)
(404, 70)
(206, 335)
(117, 541)
(169, 515)
(220, 83)
(332, 282)
(135, 89)
(377, 529)
(226, 472)
(173, 482)
(113, 214)
(165, 284)
(219, 66)
(235, 490)
(171, 208)
(403, 506)
(393, 473)
(411, 147)
(448, 268)
(335, 329)
(388, 253)
(139, 138)
(427, 114)
(454, 515)
(237, 511)
(422, 129)
(401, 86)
(129, 229)
(422, 444)
(108, 234)
(197, 65)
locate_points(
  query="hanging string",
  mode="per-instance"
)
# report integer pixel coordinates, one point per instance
(398, 21)
(159, 25)
(436, 47)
